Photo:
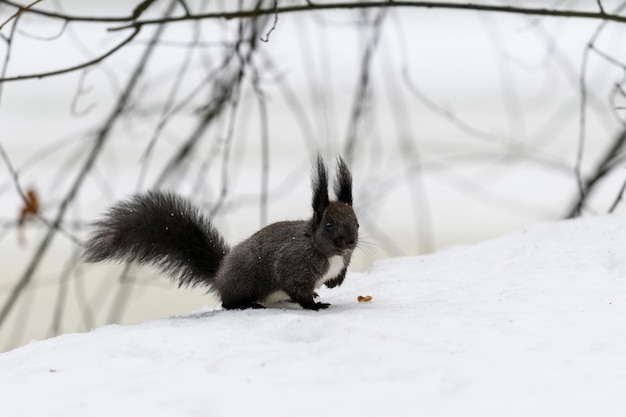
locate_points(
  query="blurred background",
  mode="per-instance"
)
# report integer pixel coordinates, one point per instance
(459, 125)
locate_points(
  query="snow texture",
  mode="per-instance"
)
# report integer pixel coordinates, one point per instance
(532, 324)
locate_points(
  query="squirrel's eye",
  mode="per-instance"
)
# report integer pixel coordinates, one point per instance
(328, 226)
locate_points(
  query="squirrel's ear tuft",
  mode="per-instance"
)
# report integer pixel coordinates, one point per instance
(320, 190)
(343, 183)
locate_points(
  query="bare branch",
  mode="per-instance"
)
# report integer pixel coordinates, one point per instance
(96, 149)
(24, 197)
(75, 67)
(267, 35)
(363, 88)
(168, 108)
(443, 112)
(19, 12)
(265, 152)
(618, 144)
(183, 4)
(81, 90)
(603, 168)
(68, 18)
(7, 57)
(45, 38)
(310, 6)
(618, 198)
(529, 11)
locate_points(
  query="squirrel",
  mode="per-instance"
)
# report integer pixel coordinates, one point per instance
(284, 261)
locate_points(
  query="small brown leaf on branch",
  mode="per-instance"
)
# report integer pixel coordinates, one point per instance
(29, 211)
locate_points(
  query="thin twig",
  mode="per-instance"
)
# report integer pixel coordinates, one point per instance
(604, 167)
(7, 57)
(582, 118)
(123, 294)
(70, 18)
(618, 198)
(224, 90)
(183, 4)
(265, 153)
(24, 197)
(45, 38)
(443, 112)
(96, 149)
(81, 90)
(295, 105)
(19, 12)
(168, 107)
(60, 302)
(82, 299)
(234, 101)
(75, 67)
(607, 57)
(120, 301)
(267, 35)
(361, 96)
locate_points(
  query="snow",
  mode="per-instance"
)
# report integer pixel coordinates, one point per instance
(531, 324)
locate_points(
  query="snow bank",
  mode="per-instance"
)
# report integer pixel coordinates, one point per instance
(529, 324)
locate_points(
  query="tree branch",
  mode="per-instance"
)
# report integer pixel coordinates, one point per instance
(603, 167)
(75, 67)
(100, 140)
(530, 11)
(19, 12)
(68, 18)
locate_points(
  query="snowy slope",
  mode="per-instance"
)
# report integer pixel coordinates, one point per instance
(532, 324)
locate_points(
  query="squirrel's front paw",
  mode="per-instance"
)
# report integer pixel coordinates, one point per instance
(312, 305)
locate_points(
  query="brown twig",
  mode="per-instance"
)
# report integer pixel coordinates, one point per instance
(19, 12)
(27, 200)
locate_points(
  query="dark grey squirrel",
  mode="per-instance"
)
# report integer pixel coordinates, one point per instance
(287, 260)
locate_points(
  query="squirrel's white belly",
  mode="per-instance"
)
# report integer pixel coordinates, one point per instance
(335, 266)
(276, 297)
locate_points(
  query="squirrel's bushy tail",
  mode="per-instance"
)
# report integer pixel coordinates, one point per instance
(163, 230)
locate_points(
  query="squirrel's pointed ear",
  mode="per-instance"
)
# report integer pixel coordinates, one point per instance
(343, 183)
(320, 190)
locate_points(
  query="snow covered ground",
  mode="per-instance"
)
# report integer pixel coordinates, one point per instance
(532, 324)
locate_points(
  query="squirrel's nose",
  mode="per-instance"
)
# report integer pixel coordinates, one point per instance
(343, 243)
